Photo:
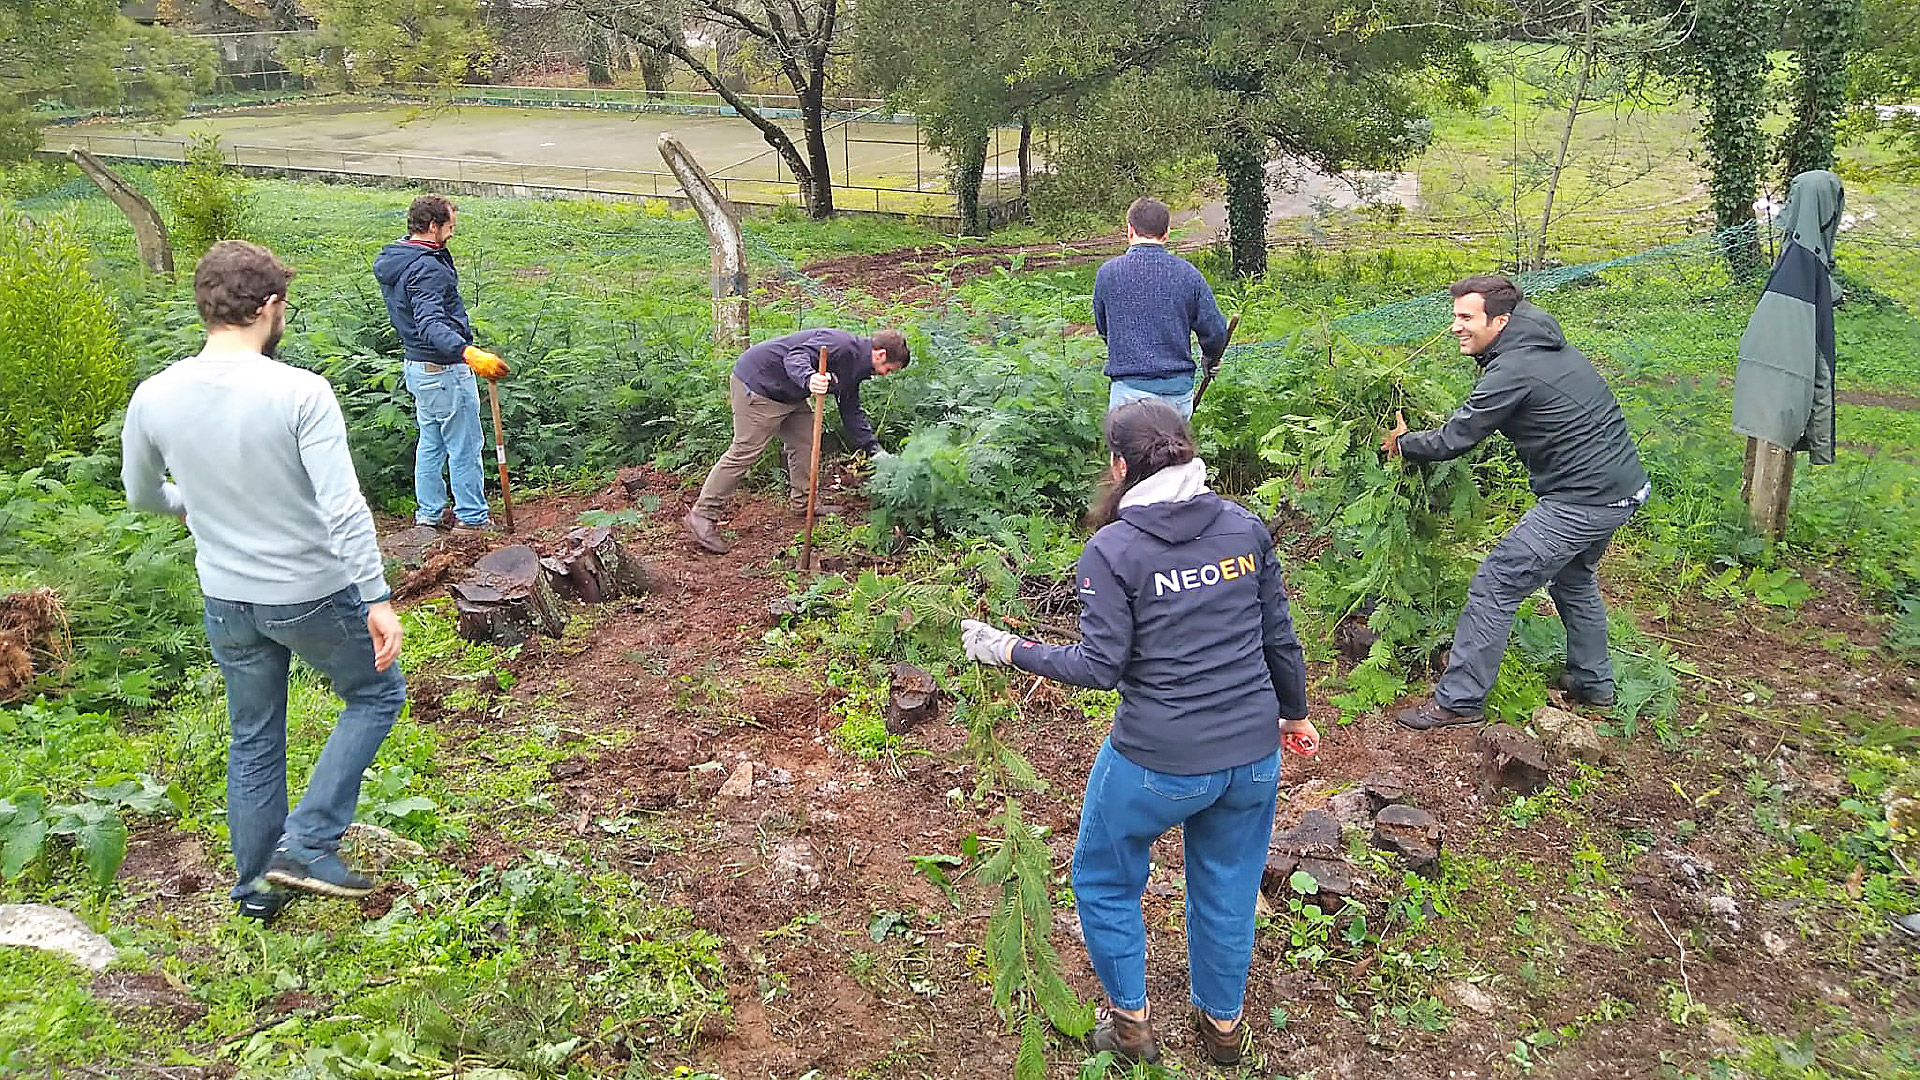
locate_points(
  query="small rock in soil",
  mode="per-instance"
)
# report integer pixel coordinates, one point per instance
(1570, 735)
(1511, 759)
(1727, 909)
(793, 863)
(1466, 995)
(1273, 880)
(1317, 833)
(55, 930)
(374, 846)
(1775, 944)
(1385, 788)
(740, 784)
(409, 547)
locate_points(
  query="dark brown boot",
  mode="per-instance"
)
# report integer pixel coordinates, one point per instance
(1222, 1047)
(706, 533)
(1431, 714)
(1129, 1040)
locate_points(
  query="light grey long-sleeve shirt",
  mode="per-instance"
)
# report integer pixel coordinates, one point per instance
(257, 451)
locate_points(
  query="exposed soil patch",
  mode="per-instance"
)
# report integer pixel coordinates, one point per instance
(1903, 402)
(675, 692)
(928, 274)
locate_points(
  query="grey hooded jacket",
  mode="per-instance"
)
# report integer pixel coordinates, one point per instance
(1546, 397)
(1783, 390)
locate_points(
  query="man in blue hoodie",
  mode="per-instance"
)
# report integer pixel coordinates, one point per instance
(1149, 305)
(422, 291)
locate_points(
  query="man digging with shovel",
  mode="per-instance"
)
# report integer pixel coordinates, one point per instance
(768, 390)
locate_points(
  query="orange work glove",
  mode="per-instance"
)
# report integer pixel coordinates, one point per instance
(485, 364)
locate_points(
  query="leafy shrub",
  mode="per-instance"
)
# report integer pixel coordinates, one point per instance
(994, 437)
(205, 201)
(32, 179)
(1397, 535)
(64, 367)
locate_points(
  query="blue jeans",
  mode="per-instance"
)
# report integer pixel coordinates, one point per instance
(1226, 821)
(1556, 544)
(1167, 390)
(446, 405)
(255, 644)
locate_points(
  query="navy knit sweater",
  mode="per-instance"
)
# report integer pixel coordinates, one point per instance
(1148, 304)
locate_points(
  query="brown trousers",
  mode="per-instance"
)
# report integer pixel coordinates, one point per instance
(756, 420)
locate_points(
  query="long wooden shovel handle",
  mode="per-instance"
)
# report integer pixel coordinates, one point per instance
(500, 453)
(1207, 379)
(813, 480)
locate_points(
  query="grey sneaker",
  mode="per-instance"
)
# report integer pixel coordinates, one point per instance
(481, 528)
(327, 875)
(706, 533)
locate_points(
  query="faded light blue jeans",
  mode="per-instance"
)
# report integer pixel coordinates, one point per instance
(446, 405)
(1177, 392)
(1226, 821)
(255, 645)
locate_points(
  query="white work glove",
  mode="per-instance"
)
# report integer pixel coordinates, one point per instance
(987, 644)
(878, 455)
(818, 383)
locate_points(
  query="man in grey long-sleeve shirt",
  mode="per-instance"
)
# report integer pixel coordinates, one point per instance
(288, 561)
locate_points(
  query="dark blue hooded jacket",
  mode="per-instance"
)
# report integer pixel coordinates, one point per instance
(422, 292)
(1183, 609)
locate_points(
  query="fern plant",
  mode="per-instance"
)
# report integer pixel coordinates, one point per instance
(1028, 989)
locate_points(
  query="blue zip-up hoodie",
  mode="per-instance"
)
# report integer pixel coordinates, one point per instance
(422, 291)
(1182, 607)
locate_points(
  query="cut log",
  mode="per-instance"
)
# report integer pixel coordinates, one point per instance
(1512, 759)
(507, 599)
(593, 567)
(915, 699)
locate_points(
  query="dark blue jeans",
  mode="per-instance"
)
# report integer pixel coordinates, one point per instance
(1226, 821)
(255, 645)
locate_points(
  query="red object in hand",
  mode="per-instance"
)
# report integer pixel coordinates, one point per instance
(1299, 742)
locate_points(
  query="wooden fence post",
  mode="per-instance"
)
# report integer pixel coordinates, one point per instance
(1768, 486)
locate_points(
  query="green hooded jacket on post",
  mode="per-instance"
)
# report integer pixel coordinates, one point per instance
(1783, 390)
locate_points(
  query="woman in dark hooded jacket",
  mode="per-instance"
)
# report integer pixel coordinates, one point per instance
(1182, 609)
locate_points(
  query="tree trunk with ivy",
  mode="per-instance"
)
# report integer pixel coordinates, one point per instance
(599, 58)
(1727, 71)
(970, 166)
(1827, 29)
(1243, 163)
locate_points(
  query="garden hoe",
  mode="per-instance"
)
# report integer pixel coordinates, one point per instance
(500, 452)
(1232, 325)
(813, 481)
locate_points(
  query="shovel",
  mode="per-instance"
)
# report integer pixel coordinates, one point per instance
(500, 452)
(813, 481)
(1232, 325)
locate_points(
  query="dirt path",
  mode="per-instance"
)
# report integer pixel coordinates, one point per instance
(799, 875)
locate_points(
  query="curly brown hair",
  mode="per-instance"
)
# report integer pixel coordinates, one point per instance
(233, 279)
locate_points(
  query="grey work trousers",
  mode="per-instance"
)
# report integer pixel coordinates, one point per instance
(1556, 544)
(756, 421)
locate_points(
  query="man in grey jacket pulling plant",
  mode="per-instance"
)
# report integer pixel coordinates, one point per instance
(1546, 397)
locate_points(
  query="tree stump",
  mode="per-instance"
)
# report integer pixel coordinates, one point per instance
(507, 599)
(914, 699)
(1512, 759)
(594, 567)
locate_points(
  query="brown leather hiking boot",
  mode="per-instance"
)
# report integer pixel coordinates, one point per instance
(1431, 714)
(706, 533)
(1127, 1039)
(1222, 1047)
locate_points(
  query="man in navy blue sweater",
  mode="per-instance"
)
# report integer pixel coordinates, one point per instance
(1149, 304)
